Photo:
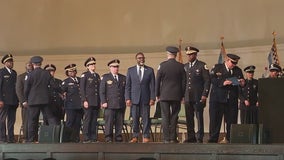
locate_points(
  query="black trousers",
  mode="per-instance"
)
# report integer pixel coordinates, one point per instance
(33, 119)
(190, 110)
(170, 110)
(25, 114)
(90, 123)
(216, 112)
(113, 118)
(7, 114)
(73, 120)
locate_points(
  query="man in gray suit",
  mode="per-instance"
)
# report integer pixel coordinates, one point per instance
(140, 95)
(170, 87)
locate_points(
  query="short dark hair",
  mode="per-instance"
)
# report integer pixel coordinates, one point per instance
(139, 53)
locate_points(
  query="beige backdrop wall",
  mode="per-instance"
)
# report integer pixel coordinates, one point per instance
(69, 31)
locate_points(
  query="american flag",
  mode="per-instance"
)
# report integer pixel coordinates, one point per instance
(223, 53)
(273, 56)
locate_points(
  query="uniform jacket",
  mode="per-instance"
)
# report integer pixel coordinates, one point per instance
(8, 87)
(198, 81)
(140, 91)
(170, 82)
(20, 87)
(72, 93)
(89, 88)
(219, 92)
(250, 92)
(55, 91)
(112, 92)
(36, 87)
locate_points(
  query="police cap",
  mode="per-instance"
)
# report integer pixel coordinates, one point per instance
(274, 67)
(7, 57)
(250, 69)
(70, 67)
(172, 50)
(36, 59)
(113, 63)
(50, 67)
(190, 50)
(233, 57)
(90, 60)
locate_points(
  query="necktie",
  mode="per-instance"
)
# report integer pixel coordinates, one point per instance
(231, 72)
(115, 78)
(140, 73)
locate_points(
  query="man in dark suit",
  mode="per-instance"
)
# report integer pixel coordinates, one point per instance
(170, 88)
(89, 87)
(196, 93)
(112, 90)
(140, 95)
(226, 79)
(55, 94)
(8, 99)
(37, 97)
(20, 93)
(72, 101)
(249, 98)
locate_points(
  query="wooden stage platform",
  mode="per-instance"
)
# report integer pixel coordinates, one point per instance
(150, 151)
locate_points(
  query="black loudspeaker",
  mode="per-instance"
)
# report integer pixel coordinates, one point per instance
(244, 133)
(55, 134)
(271, 109)
(66, 134)
(49, 134)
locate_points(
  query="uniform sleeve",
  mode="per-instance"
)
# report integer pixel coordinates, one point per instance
(207, 81)
(27, 87)
(83, 87)
(152, 85)
(158, 83)
(1, 85)
(103, 90)
(183, 80)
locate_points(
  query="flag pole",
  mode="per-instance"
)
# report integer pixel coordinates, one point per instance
(180, 53)
(224, 140)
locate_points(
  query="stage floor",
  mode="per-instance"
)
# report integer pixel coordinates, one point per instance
(150, 151)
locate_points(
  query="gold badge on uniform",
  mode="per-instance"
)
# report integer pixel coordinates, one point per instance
(6, 76)
(109, 82)
(218, 74)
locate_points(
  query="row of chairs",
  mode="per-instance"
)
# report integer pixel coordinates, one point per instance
(155, 129)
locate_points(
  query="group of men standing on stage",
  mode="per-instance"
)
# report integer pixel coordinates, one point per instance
(81, 98)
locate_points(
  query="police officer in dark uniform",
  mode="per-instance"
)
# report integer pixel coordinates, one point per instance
(89, 87)
(249, 98)
(20, 93)
(170, 89)
(274, 71)
(55, 94)
(8, 99)
(37, 97)
(226, 79)
(196, 93)
(112, 89)
(72, 102)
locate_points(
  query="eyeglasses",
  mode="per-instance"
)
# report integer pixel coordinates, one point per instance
(115, 66)
(235, 63)
(140, 57)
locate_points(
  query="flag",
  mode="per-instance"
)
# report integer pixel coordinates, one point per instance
(272, 55)
(222, 54)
